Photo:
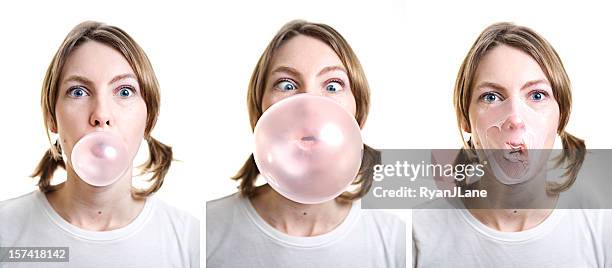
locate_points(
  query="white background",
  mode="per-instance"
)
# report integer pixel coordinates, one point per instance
(204, 53)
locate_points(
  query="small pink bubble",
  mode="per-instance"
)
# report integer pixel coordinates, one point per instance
(99, 158)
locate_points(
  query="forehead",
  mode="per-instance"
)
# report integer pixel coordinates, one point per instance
(508, 66)
(96, 61)
(306, 54)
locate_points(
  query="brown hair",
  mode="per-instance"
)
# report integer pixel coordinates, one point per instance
(160, 155)
(358, 83)
(543, 53)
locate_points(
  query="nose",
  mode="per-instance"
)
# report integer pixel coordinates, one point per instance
(515, 119)
(311, 89)
(514, 122)
(101, 116)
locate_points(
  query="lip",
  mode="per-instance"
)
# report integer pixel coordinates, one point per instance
(307, 142)
(308, 138)
(98, 131)
(515, 146)
(516, 152)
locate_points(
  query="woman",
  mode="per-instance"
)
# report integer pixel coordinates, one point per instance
(258, 227)
(512, 97)
(101, 80)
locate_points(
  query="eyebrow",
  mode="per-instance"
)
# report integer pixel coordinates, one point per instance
(535, 82)
(78, 79)
(331, 69)
(294, 72)
(500, 87)
(286, 69)
(121, 77)
(86, 81)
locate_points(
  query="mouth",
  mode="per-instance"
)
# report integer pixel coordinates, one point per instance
(516, 152)
(306, 142)
(308, 138)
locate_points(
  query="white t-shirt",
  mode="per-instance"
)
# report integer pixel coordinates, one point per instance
(566, 238)
(160, 236)
(236, 236)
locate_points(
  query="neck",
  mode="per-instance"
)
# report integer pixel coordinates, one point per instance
(96, 208)
(511, 220)
(298, 219)
(518, 207)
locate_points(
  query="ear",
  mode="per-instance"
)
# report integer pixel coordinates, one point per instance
(52, 126)
(466, 128)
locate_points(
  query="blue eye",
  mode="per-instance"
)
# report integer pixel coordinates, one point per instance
(489, 97)
(125, 92)
(77, 92)
(286, 85)
(333, 87)
(538, 96)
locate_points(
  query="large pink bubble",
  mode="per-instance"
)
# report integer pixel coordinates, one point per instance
(308, 148)
(99, 158)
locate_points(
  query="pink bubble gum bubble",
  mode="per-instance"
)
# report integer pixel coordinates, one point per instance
(308, 148)
(99, 158)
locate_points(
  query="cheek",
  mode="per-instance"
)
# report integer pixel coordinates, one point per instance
(68, 116)
(133, 122)
(349, 104)
(346, 100)
(69, 125)
(267, 101)
(552, 125)
(476, 119)
(271, 97)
